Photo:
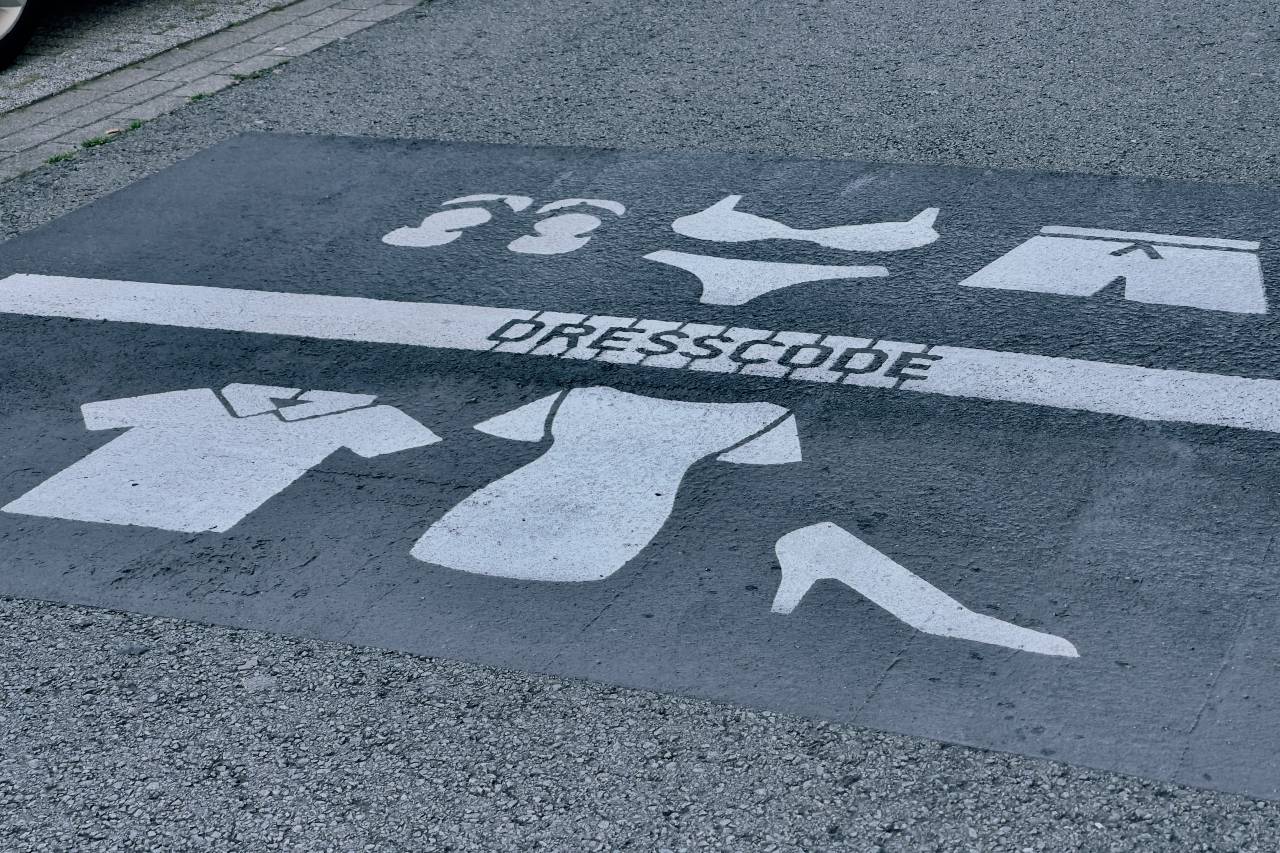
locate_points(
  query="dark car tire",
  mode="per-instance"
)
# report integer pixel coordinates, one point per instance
(14, 33)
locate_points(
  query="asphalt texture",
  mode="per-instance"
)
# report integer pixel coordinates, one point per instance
(1183, 91)
(1142, 541)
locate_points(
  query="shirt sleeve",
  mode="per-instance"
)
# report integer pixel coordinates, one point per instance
(378, 430)
(170, 407)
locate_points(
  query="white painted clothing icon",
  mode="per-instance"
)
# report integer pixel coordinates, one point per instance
(189, 462)
(1162, 269)
(736, 281)
(605, 486)
(722, 222)
(564, 232)
(557, 235)
(823, 551)
(445, 226)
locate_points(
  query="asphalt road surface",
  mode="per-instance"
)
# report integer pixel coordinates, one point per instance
(189, 736)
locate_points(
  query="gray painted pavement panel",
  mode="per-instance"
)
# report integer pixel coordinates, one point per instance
(1146, 543)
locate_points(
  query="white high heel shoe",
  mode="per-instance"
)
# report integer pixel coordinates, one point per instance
(823, 551)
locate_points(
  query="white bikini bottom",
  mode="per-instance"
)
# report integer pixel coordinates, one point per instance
(733, 281)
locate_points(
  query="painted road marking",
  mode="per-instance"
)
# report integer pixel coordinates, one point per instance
(826, 551)
(1145, 237)
(1061, 544)
(1162, 269)
(605, 487)
(735, 281)
(722, 222)
(194, 462)
(1178, 396)
(190, 462)
(557, 235)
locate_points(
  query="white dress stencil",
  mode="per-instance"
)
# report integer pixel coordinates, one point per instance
(827, 551)
(605, 486)
(190, 463)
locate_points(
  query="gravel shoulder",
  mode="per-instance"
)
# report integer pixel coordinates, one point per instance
(125, 732)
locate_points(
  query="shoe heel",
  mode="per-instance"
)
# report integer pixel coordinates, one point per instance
(801, 565)
(791, 590)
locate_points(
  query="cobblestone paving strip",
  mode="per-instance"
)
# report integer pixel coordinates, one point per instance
(77, 40)
(53, 128)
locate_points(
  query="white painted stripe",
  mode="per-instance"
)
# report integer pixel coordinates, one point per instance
(1142, 236)
(1098, 386)
(1061, 383)
(307, 315)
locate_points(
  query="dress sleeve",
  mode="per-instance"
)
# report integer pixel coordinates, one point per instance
(777, 444)
(170, 407)
(527, 423)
